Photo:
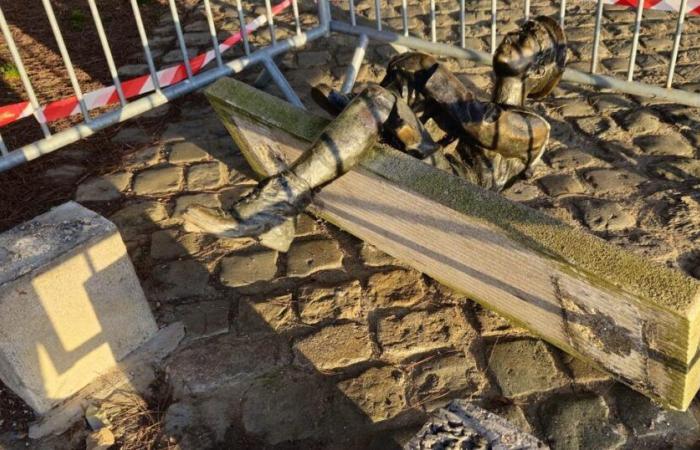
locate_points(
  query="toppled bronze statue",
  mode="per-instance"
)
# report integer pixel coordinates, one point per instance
(496, 141)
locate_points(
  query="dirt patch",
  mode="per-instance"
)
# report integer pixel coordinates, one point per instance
(15, 415)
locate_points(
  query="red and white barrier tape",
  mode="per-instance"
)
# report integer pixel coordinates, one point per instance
(60, 109)
(693, 7)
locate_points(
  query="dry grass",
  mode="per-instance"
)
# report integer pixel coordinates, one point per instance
(138, 421)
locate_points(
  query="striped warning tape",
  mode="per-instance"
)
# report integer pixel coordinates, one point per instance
(693, 7)
(60, 109)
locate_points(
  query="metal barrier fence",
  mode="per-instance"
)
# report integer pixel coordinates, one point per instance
(404, 38)
(127, 108)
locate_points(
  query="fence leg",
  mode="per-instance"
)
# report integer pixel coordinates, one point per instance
(282, 83)
(354, 66)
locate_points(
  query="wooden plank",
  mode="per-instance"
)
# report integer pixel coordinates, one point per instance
(626, 315)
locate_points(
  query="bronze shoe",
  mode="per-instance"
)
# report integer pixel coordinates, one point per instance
(529, 62)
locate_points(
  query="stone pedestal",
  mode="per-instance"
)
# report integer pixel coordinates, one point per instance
(71, 305)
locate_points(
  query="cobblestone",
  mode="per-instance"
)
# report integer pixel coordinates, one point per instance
(249, 267)
(294, 398)
(225, 360)
(372, 256)
(139, 217)
(319, 304)
(421, 332)
(524, 367)
(158, 181)
(146, 157)
(166, 244)
(402, 288)
(450, 374)
(515, 415)
(582, 372)
(556, 185)
(612, 181)
(103, 188)
(208, 200)
(568, 159)
(672, 144)
(647, 420)
(379, 393)
(574, 421)
(640, 122)
(186, 152)
(270, 314)
(305, 258)
(205, 176)
(180, 279)
(204, 319)
(313, 59)
(602, 215)
(335, 347)
(491, 324)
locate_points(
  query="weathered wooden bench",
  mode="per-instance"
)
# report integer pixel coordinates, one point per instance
(635, 319)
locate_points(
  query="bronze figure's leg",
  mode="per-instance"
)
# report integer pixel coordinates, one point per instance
(337, 150)
(496, 141)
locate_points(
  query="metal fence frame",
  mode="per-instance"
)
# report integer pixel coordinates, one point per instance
(130, 109)
(264, 57)
(404, 39)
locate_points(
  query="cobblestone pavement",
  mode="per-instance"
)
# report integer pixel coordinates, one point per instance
(337, 345)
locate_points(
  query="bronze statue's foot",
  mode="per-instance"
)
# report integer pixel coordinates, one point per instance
(200, 219)
(330, 100)
(529, 62)
(269, 206)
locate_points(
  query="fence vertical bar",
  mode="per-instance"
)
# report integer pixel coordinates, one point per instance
(244, 27)
(562, 13)
(596, 35)
(212, 31)
(146, 47)
(354, 68)
(462, 33)
(527, 10)
(17, 59)
(353, 20)
(635, 39)
(66, 59)
(270, 22)
(404, 16)
(378, 14)
(295, 12)
(676, 43)
(433, 30)
(107, 51)
(180, 38)
(3, 147)
(282, 83)
(493, 26)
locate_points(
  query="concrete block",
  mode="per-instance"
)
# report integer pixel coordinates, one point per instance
(71, 305)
